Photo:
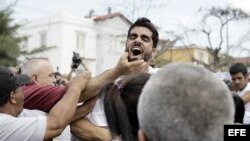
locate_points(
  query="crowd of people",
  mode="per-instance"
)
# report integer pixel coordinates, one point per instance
(130, 102)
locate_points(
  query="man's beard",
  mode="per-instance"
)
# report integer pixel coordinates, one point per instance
(147, 57)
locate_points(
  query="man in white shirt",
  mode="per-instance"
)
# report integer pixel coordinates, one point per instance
(141, 44)
(40, 127)
(240, 84)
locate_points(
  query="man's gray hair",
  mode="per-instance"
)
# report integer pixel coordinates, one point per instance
(185, 102)
(33, 66)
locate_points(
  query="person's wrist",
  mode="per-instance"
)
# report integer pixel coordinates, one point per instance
(75, 89)
(115, 72)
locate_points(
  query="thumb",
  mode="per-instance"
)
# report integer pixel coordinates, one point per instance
(124, 55)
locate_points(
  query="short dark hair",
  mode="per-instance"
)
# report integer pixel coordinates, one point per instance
(238, 67)
(144, 22)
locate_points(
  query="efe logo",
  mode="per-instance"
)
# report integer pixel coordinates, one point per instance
(236, 132)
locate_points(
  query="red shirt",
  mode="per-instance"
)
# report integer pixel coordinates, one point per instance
(42, 97)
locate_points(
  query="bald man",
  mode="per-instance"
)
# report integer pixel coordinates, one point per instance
(184, 102)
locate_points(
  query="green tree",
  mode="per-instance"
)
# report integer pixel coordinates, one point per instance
(9, 49)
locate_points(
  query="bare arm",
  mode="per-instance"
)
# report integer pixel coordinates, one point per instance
(246, 97)
(91, 132)
(123, 67)
(62, 113)
(84, 109)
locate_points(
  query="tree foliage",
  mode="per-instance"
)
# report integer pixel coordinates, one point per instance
(9, 49)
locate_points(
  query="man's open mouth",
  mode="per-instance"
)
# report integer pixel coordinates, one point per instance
(136, 51)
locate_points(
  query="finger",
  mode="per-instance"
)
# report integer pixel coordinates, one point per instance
(137, 63)
(87, 75)
(124, 55)
(84, 83)
(139, 67)
(142, 65)
(83, 79)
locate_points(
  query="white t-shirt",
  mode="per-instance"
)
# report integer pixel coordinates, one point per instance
(246, 119)
(97, 116)
(32, 113)
(22, 128)
(65, 136)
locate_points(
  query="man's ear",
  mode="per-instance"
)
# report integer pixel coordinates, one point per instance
(34, 78)
(154, 52)
(141, 135)
(12, 98)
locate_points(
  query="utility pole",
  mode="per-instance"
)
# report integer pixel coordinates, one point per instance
(227, 38)
(171, 59)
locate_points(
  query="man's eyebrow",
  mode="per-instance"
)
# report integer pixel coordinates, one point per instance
(144, 35)
(132, 34)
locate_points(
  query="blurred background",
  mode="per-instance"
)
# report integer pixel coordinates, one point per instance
(213, 33)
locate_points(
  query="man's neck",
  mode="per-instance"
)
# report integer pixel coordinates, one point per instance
(243, 88)
(147, 69)
(7, 109)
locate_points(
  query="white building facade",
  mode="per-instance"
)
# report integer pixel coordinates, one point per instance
(99, 41)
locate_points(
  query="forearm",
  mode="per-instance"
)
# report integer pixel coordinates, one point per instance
(246, 97)
(94, 85)
(86, 131)
(123, 67)
(84, 109)
(65, 109)
(98, 134)
(80, 113)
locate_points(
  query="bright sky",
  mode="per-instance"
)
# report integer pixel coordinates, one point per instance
(171, 15)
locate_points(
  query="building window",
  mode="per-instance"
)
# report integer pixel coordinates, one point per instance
(117, 44)
(80, 40)
(43, 39)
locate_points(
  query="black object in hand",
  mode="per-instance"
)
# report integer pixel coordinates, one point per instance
(76, 59)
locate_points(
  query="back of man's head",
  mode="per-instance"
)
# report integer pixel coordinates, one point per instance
(144, 22)
(237, 68)
(184, 102)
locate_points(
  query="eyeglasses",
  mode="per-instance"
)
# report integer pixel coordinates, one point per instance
(52, 74)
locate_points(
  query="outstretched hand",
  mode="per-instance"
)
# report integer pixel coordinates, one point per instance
(124, 67)
(80, 81)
